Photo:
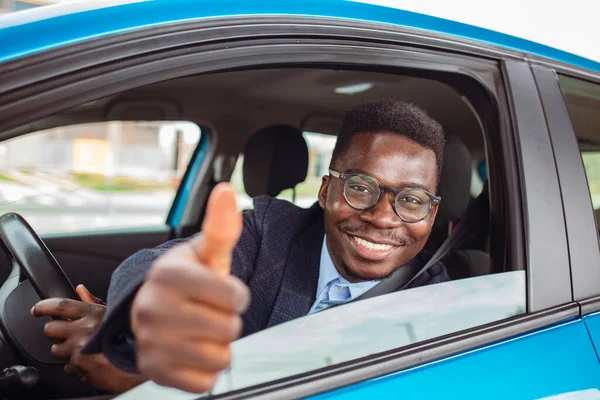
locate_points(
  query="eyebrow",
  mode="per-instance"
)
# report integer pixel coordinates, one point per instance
(410, 185)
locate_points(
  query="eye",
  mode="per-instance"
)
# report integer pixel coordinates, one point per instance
(360, 189)
(411, 200)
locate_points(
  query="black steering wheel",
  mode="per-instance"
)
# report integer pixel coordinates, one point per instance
(33, 257)
(36, 275)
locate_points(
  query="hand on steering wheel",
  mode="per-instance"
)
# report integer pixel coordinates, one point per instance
(79, 321)
(47, 280)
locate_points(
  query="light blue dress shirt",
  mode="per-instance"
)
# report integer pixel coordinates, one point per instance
(343, 288)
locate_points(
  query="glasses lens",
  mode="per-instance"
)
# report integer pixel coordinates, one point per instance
(413, 204)
(361, 192)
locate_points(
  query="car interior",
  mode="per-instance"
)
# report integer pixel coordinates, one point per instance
(259, 115)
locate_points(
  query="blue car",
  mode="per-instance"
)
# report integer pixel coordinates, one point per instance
(118, 118)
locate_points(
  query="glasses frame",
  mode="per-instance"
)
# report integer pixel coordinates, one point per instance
(343, 177)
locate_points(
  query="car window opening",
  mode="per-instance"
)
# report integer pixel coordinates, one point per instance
(277, 140)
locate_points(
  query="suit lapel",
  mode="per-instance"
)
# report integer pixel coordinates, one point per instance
(301, 274)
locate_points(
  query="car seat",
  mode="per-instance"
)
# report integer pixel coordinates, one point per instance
(470, 259)
(275, 159)
(454, 188)
(455, 191)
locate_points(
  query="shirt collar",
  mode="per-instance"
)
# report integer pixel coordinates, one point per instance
(328, 272)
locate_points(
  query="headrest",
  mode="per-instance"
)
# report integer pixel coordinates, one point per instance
(455, 182)
(275, 159)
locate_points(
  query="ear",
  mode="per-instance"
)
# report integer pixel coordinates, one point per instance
(323, 191)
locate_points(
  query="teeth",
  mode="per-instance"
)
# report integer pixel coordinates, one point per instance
(372, 246)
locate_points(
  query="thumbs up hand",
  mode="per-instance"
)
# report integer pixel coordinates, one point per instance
(221, 230)
(186, 313)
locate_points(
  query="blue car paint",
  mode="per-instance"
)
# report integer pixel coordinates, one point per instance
(186, 184)
(71, 23)
(592, 322)
(552, 361)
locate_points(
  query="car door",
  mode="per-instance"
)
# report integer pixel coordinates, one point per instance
(572, 104)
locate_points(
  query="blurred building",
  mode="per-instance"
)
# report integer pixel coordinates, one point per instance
(19, 5)
(143, 150)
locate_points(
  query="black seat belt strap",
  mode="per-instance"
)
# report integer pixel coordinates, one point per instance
(404, 276)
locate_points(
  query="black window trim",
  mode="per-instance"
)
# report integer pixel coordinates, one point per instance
(36, 100)
(584, 251)
(544, 219)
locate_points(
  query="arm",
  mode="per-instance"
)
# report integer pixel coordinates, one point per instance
(114, 337)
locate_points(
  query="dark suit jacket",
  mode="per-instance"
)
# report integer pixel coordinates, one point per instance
(277, 256)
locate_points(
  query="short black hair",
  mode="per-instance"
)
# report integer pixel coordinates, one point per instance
(395, 116)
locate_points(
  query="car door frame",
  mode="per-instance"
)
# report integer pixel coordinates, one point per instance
(142, 57)
(584, 251)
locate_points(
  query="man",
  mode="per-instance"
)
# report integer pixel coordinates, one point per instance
(175, 309)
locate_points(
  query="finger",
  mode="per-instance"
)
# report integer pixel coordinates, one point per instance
(62, 351)
(200, 284)
(58, 330)
(221, 229)
(193, 320)
(73, 370)
(80, 365)
(90, 362)
(85, 295)
(66, 308)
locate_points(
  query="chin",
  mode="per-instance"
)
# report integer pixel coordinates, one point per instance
(369, 273)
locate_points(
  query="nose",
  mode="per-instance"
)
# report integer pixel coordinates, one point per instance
(382, 214)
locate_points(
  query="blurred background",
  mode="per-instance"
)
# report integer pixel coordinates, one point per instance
(18, 5)
(117, 174)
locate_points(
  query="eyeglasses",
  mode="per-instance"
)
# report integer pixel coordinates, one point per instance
(362, 192)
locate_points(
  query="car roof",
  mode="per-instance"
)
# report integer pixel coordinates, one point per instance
(36, 30)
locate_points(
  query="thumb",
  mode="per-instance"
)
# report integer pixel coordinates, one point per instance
(221, 229)
(86, 296)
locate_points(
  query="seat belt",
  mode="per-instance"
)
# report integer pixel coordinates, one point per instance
(403, 277)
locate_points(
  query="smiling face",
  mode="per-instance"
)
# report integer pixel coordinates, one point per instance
(373, 243)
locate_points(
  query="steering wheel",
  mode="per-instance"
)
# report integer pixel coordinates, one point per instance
(36, 275)
(33, 257)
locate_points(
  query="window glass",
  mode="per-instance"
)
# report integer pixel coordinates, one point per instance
(353, 330)
(320, 148)
(591, 162)
(583, 103)
(478, 178)
(96, 175)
